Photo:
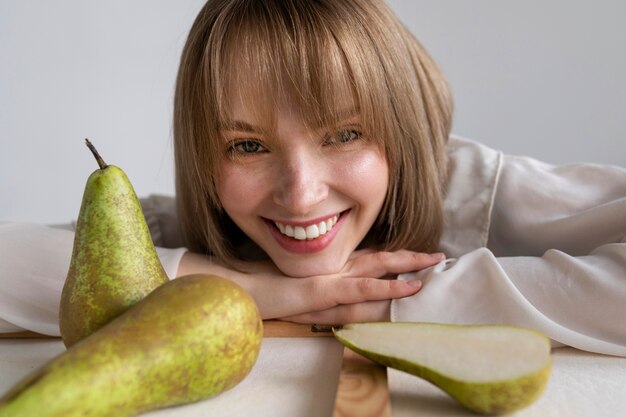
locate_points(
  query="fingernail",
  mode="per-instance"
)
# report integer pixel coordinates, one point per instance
(416, 283)
(439, 256)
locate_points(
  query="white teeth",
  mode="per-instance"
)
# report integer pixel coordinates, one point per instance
(299, 233)
(310, 232)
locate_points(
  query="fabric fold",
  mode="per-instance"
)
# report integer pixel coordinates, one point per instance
(35, 260)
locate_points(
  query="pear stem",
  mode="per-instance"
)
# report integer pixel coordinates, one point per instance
(96, 154)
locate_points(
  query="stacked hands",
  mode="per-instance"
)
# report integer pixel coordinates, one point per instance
(361, 291)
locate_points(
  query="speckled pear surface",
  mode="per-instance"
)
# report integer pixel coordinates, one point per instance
(188, 340)
(114, 262)
(493, 369)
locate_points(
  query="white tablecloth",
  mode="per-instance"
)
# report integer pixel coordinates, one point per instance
(582, 384)
(299, 376)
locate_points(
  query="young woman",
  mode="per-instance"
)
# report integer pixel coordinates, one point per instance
(314, 166)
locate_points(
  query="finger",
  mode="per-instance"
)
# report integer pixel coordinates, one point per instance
(379, 264)
(361, 252)
(357, 290)
(299, 296)
(302, 296)
(351, 313)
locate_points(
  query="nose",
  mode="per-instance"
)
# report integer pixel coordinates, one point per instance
(301, 184)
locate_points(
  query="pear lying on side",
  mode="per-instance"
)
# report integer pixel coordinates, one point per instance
(114, 263)
(488, 369)
(190, 339)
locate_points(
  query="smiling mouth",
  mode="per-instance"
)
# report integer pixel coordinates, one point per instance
(309, 232)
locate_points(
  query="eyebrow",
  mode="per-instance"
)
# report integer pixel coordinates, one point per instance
(241, 126)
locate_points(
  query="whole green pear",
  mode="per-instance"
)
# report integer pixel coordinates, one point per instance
(489, 369)
(114, 262)
(188, 340)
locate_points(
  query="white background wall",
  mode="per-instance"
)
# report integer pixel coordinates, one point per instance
(535, 77)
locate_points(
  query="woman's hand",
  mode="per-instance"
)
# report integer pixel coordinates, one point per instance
(361, 291)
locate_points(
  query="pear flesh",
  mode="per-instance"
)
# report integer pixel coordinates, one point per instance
(190, 339)
(489, 369)
(114, 262)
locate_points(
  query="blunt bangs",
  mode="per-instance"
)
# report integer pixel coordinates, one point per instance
(300, 51)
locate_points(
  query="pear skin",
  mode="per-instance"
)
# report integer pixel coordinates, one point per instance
(114, 262)
(188, 340)
(489, 369)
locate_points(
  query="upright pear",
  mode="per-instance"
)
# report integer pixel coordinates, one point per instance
(489, 369)
(114, 262)
(190, 339)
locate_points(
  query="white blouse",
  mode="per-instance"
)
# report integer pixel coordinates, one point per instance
(528, 243)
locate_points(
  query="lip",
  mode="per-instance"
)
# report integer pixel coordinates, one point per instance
(308, 222)
(306, 246)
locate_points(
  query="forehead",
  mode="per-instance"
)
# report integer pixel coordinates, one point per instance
(255, 96)
(261, 73)
(264, 104)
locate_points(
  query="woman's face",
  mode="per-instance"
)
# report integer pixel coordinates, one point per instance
(306, 195)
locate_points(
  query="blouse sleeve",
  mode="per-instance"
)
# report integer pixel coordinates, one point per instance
(34, 260)
(555, 259)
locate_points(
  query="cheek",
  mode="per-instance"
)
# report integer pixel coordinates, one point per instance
(237, 190)
(366, 176)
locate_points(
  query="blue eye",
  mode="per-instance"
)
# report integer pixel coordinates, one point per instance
(349, 136)
(246, 147)
(344, 137)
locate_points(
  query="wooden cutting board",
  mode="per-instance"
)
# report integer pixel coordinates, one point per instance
(362, 391)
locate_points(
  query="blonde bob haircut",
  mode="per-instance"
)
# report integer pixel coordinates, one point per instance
(311, 50)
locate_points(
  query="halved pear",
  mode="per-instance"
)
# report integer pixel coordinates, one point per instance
(490, 369)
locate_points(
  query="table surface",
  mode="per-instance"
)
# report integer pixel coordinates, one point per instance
(300, 376)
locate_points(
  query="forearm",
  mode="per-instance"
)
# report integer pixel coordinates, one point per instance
(355, 294)
(195, 263)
